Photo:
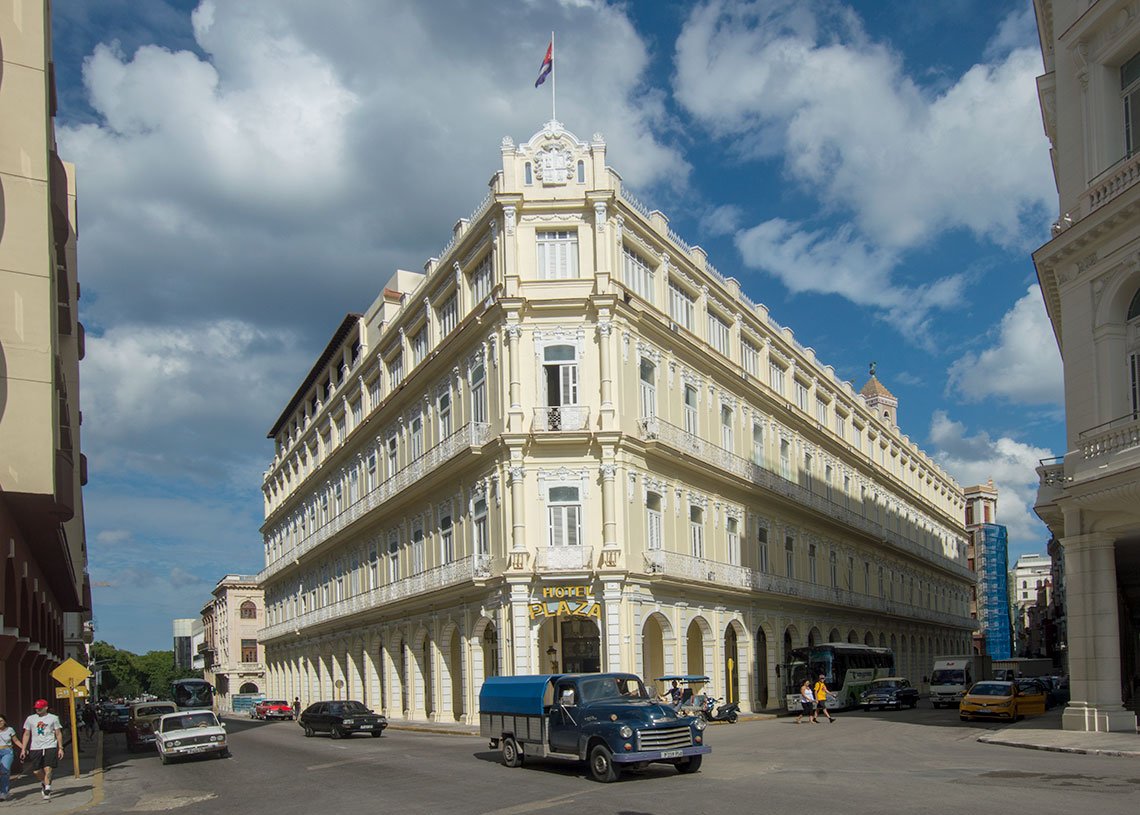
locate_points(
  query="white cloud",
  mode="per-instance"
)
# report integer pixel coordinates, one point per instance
(1010, 463)
(1023, 365)
(907, 164)
(722, 220)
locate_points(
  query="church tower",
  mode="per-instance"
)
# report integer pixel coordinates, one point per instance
(880, 400)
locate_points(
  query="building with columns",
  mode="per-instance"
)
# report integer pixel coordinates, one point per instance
(232, 657)
(571, 444)
(45, 591)
(1090, 280)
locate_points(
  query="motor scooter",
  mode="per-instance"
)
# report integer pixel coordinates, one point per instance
(725, 713)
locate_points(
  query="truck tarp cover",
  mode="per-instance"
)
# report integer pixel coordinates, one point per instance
(514, 695)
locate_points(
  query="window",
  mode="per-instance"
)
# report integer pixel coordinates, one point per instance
(827, 481)
(393, 449)
(801, 396)
(374, 393)
(528, 174)
(418, 563)
(776, 378)
(732, 539)
(479, 394)
(248, 610)
(790, 556)
(357, 413)
(691, 409)
(373, 567)
(882, 586)
(416, 438)
(726, 427)
(481, 280)
(821, 412)
(718, 334)
(446, 541)
(785, 459)
(419, 346)
(811, 563)
(653, 521)
(581, 172)
(480, 544)
(249, 651)
(637, 275)
(840, 426)
(805, 480)
(448, 315)
(750, 357)
(565, 516)
(850, 572)
(557, 255)
(758, 443)
(393, 556)
(680, 306)
(396, 370)
(833, 564)
(560, 367)
(648, 378)
(443, 414)
(1130, 95)
(762, 548)
(697, 531)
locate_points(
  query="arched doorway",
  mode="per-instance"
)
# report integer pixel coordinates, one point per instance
(248, 687)
(656, 647)
(853, 637)
(814, 637)
(731, 666)
(835, 636)
(454, 663)
(490, 643)
(761, 669)
(695, 645)
(869, 639)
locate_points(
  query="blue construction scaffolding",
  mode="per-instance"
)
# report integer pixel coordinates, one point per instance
(991, 562)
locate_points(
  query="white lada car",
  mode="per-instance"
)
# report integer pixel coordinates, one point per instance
(190, 733)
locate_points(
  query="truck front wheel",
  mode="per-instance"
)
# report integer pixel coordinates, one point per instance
(602, 766)
(512, 756)
(689, 765)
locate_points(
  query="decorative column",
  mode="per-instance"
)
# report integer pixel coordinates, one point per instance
(520, 628)
(515, 414)
(611, 624)
(605, 350)
(1094, 636)
(611, 552)
(518, 556)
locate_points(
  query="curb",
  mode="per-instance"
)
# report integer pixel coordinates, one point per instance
(1056, 748)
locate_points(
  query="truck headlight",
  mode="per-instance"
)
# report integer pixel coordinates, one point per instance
(626, 731)
(700, 724)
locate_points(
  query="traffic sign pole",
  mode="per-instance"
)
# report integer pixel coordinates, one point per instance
(69, 673)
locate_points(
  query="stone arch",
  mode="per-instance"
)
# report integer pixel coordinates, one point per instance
(761, 662)
(421, 665)
(658, 646)
(853, 636)
(834, 636)
(869, 639)
(815, 637)
(247, 687)
(882, 640)
(484, 651)
(698, 646)
(736, 644)
(451, 673)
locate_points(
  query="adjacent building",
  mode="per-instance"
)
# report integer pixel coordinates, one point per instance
(233, 659)
(1029, 573)
(189, 633)
(1090, 280)
(571, 444)
(988, 556)
(45, 593)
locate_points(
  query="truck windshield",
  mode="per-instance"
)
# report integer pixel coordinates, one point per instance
(612, 687)
(948, 677)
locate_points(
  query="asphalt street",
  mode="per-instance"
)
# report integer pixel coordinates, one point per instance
(912, 761)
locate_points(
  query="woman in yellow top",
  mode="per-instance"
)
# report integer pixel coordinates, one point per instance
(820, 689)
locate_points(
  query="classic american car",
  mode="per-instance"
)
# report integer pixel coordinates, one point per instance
(272, 709)
(190, 733)
(889, 691)
(143, 718)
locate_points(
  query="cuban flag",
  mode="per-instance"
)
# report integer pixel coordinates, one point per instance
(547, 65)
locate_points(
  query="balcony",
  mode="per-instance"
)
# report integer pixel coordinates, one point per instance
(1110, 184)
(700, 570)
(473, 434)
(1099, 443)
(564, 559)
(466, 570)
(564, 419)
(655, 430)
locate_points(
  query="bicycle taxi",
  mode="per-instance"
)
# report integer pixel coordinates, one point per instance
(692, 699)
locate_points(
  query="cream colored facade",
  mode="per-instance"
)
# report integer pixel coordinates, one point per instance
(571, 444)
(235, 658)
(1090, 279)
(45, 594)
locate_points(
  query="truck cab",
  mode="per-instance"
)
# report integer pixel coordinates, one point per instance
(606, 719)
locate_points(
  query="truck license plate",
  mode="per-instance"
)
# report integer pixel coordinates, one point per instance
(365, 727)
(672, 753)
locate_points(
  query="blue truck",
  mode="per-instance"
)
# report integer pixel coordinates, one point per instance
(605, 719)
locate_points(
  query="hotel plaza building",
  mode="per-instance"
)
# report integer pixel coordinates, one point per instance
(571, 444)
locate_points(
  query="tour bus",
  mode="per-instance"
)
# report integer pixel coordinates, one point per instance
(192, 694)
(847, 669)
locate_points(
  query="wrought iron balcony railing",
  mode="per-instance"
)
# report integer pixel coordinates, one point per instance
(564, 418)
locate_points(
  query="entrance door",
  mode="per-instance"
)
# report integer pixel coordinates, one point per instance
(581, 646)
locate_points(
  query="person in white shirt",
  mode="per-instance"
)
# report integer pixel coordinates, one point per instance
(8, 747)
(45, 733)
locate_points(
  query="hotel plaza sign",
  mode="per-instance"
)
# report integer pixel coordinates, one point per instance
(565, 601)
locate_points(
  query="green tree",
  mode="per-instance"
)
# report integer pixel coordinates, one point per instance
(129, 675)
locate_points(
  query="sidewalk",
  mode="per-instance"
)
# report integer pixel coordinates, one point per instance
(1045, 733)
(68, 793)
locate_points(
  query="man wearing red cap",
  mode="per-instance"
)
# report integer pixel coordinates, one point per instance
(45, 733)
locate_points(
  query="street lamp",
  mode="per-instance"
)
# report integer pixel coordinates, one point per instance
(552, 653)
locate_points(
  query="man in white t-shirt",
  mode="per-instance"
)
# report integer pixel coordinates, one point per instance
(44, 731)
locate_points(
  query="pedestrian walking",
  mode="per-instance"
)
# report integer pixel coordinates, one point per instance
(807, 701)
(89, 719)
(44, 733)
(8, 748)
(820, 690)
(296, 705)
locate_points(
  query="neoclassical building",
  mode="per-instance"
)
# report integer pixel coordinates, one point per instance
(1090, 280)
(232, 657)
(571, 444)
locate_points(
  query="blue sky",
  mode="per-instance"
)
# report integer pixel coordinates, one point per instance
(874, 172)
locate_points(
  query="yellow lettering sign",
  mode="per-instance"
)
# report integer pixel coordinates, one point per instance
(584, 608)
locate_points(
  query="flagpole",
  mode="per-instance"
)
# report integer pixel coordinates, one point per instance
(553, 83)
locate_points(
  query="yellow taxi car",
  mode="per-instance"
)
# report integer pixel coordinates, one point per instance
(1002, 700)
